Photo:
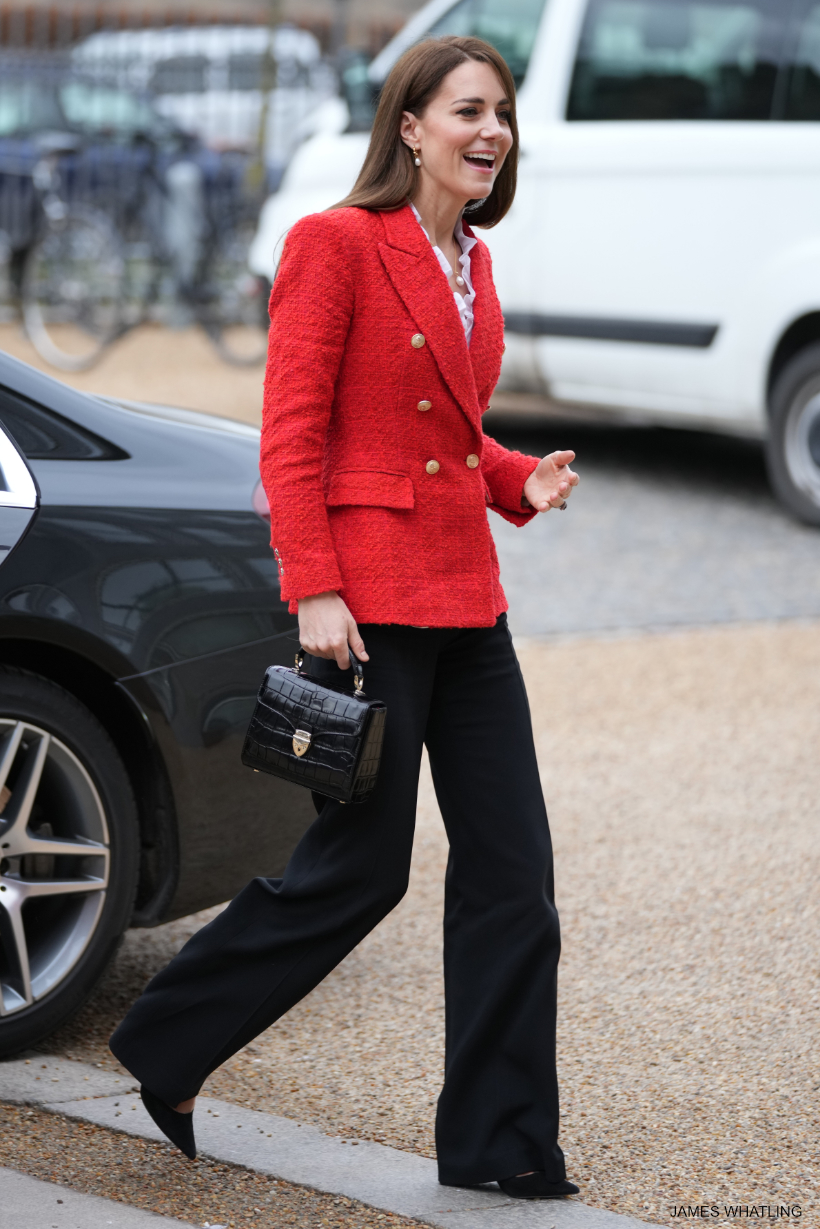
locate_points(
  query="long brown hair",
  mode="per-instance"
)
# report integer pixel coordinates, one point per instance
(388, 177)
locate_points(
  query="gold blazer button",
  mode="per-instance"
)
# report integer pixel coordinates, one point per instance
(424, 405)
(417, 341)
(432, 467)
(473, 461)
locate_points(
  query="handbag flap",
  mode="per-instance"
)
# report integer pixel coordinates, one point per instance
(306, 703)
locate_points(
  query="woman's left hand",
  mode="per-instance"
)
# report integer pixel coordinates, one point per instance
(550, 484)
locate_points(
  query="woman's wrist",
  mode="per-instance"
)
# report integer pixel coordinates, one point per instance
(315, 597)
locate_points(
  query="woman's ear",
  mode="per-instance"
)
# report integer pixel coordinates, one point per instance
(409, 130)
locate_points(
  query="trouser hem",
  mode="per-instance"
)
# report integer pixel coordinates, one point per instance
(479, 1175)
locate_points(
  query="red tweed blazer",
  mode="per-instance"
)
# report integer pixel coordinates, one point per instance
(374, 462)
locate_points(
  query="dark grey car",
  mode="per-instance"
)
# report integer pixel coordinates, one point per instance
(139, 608)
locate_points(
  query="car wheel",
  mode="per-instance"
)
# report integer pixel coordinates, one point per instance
(69, 856)
(793, 447)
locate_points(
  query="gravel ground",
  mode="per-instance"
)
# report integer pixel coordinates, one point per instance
(682, 780)
(668, 528)
(156, 1178)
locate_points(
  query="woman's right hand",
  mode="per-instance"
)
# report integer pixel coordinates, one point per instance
(326, 628)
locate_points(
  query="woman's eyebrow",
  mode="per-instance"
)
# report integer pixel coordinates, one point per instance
(502, 102)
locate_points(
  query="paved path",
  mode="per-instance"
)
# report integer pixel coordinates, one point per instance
(668, 528)
(29, 1204)
(382, 1177)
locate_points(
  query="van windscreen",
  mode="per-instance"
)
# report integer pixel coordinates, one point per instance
(678, 60)
(509, 25)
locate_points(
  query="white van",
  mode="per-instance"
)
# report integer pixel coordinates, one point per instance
(209, 80)
(662, 259)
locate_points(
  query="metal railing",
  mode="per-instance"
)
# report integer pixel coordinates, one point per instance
(136, 149)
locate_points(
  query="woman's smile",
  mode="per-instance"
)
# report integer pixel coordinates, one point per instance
(481, 160)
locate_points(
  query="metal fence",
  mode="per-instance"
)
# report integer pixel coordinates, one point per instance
(136, 149)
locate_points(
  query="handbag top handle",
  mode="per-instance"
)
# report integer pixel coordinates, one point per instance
(358, 669)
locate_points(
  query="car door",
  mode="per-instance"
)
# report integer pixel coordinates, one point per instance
(19, 497)
(658, 191)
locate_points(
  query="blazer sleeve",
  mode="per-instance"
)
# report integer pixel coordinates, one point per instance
(311, 306)
(505, 473)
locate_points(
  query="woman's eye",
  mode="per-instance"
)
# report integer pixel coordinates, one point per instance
(506, 116)
(468, 111)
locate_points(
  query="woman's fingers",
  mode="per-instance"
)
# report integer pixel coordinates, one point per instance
(356, 643)
(339, 651)
(326, 626)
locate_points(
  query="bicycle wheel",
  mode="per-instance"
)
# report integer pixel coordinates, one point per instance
(234, 301)
(72, 290)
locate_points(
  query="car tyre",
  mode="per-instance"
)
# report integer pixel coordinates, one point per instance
(69, 843)
(793, 446)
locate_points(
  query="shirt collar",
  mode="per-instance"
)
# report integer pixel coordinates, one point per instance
(465, 242)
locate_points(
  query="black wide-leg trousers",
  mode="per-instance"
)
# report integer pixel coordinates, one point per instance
(460, 691)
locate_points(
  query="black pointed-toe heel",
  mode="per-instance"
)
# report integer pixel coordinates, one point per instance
(179, 1128)
(536, 1186)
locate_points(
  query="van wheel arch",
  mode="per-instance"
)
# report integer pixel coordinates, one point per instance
(800, 334)
(793, 441)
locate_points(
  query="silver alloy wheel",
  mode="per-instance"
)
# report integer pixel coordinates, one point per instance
(54, 863)
(802, 441)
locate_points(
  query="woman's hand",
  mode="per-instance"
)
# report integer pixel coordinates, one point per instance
(326, 628)
(551, 483)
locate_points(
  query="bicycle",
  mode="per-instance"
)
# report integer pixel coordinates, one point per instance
(87, 278)
(69, 273)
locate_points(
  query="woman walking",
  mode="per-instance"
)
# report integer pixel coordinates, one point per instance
(385, 345)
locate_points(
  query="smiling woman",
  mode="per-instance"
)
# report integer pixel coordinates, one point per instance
(379, 476)
(425, 86)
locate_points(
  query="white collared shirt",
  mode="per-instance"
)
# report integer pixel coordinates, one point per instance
(464, 302)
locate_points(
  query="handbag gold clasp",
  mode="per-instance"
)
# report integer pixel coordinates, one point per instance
(301, 741)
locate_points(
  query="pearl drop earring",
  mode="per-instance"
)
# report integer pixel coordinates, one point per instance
(417, 151)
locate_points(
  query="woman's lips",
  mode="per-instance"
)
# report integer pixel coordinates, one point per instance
(479, 163)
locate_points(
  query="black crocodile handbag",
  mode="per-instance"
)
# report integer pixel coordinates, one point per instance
(327, 738)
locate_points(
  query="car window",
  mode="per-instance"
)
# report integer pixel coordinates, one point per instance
(42, 435)
(180, 74)
(97, 107)
(510, 25)
(28, 106)
(803, 91)
(678, 60)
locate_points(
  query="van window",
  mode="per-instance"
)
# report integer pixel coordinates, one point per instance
(28, 106)
(180, 74)
(803, 93)
(510, 25)
(100, 107)
(678, 60)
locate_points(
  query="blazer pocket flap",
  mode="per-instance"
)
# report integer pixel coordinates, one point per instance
(375, 488)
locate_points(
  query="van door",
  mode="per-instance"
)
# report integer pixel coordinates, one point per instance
(18, 496)
(659, 196)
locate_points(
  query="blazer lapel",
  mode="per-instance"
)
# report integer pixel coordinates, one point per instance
(487, 338)
(417, 277)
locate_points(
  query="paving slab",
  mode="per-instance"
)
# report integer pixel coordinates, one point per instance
(382, 1177)
(374, 1174)
(39, 1079)
(28, 1203)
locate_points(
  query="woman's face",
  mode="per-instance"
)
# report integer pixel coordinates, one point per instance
(464, 134)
